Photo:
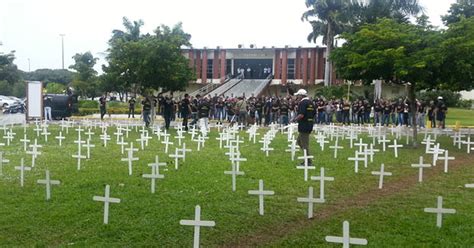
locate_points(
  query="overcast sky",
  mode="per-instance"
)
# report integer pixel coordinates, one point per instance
(32, 27)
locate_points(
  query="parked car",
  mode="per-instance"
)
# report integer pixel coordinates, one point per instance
(62, 105)
(6, 101)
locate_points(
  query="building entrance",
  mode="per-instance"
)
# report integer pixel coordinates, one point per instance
(253, 68)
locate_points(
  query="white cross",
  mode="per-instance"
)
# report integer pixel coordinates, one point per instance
(322, 178)
(311, 201)
(469, 186)
(79, 131)
(346, 240)
(130, 160)
(142, 141)
(104, 137)
(25, 142)
(89, 133)
(356, 160)
(22, 168)
(427, 142)
(154, 175)
(107, 200)
(179, 137)
(48, 182)
(118, 134)
(436, 152)
(446, 159)
(395, 147)
(351, 137)
(360, 145)
(236, 159)
(37, 129)
(421, 166)
(8, 137)
(336, 147)
(184, 150)
(45, 133)
(306, 166)
(222, 137)
(265, 147)
(322, 141)
(34, 152)
(468, 143)
(261, 193)
(200, 140)
(197, 223)
(439, 211)
(122, 144)
(167, 142)
(381, 174)
(176, 157)
(293, 148)
(384, 141)
(79, 156)
(60, 138)
(2, 160)
(88, 146)
(371, 151)
(234, 172)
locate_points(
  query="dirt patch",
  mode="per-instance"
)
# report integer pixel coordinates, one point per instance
(359, 201)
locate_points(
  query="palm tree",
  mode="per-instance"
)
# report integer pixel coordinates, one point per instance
(328, 18)
(400, 10)
(131, 33)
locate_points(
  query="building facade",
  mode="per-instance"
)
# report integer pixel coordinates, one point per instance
(303, 66)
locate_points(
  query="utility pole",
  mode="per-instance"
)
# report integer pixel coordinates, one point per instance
(29, 67)
(62, 48)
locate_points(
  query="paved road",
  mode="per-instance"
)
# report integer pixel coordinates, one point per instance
(8, 119)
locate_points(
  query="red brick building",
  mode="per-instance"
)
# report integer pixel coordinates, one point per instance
(296, 65)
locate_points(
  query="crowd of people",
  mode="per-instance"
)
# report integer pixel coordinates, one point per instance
(282, 110)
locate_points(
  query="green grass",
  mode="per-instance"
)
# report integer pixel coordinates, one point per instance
(464, 116)
(145, 219)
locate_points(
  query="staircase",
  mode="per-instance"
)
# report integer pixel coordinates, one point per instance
(248, 88)
(225, 87)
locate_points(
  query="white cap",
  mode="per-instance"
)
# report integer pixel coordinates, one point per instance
(301, 92)
(440, 98)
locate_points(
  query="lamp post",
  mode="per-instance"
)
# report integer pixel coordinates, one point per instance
(62, 48)
(29, 67)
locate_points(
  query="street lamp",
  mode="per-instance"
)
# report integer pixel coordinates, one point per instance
(62, 48)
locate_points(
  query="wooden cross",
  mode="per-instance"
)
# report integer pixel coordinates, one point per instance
(48, 182)
(261, 193)
(106, 199)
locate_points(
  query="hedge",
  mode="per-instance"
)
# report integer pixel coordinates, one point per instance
(112, 110)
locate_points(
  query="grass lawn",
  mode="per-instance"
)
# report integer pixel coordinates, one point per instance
(465, 116)
(392, 217)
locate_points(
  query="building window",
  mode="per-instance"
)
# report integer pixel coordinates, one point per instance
(209, 68)
(291, 69)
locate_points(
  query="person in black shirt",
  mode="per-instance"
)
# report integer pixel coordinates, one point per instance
(431, 114)
(441, 110)
(131, 107)
(284, 111)
(185, 110)
(147, 105)
(305, 119)
(259, 110)
(48, 104)
(268, 110)
(102, 105)
(168, 110)
(204, 108)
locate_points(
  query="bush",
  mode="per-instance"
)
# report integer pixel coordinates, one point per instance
(114, 110)
(466, 104)
(334, 91)
(449, 97)
(88, 104)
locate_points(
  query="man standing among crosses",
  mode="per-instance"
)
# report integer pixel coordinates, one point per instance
(305, 119)
(147, 105)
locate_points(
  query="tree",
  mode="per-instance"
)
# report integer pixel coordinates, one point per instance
(402, 53)
(457, 51)
(150, 61)
(8, 70)
(48, 75)
(328, 18)
(457, 11)
(370, 11)
(85, 80)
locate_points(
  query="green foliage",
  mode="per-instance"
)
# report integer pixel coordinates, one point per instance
(150, 61)
(459, 10)
(451, 98)
(85, 81)
(457, 51)
(396, 52)
(8, 70)
(50, 75)
(55, 88)
(331, 92)
(88, 104)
